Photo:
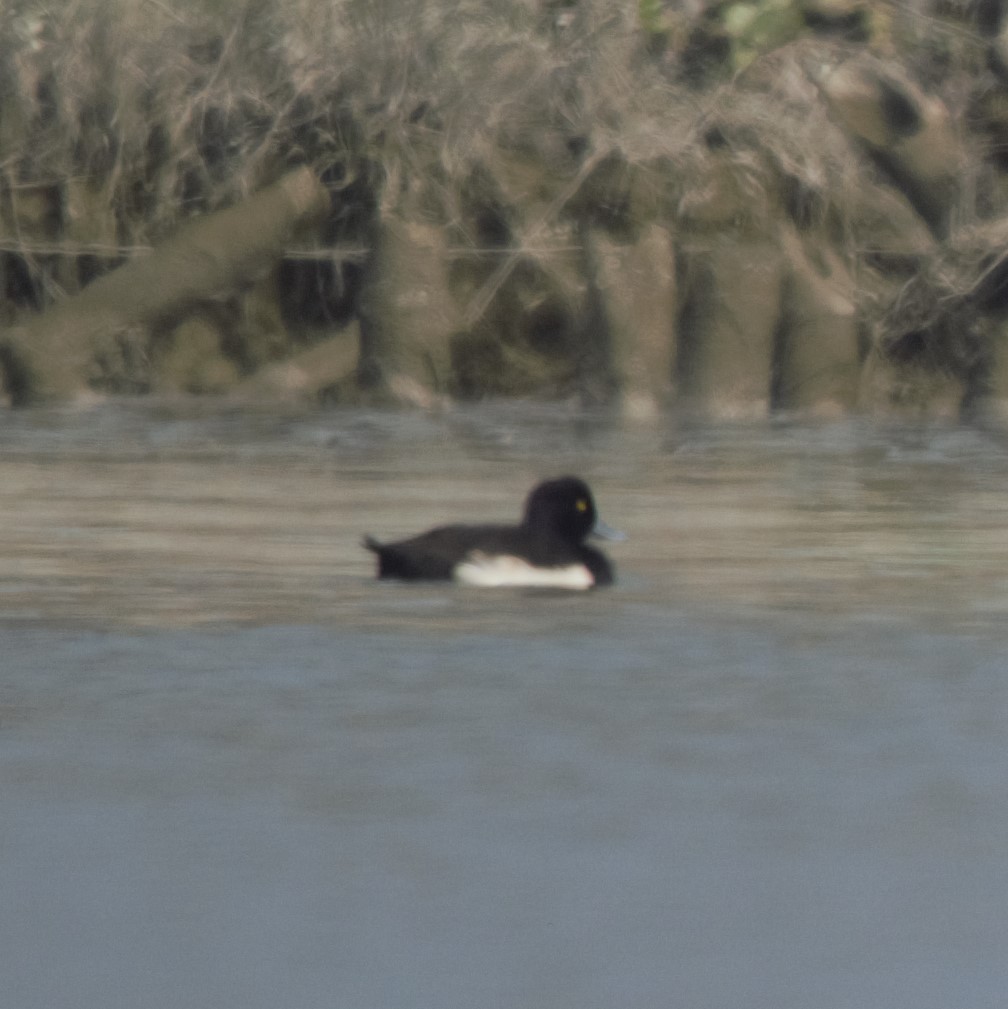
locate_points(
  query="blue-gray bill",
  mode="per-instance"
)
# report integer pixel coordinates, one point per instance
(603, 531)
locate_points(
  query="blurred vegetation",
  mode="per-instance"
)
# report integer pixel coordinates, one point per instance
(489, 118)
(168, 108)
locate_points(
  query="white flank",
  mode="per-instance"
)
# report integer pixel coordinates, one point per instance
(501, 571)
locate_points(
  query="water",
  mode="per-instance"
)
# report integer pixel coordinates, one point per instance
(767, 769)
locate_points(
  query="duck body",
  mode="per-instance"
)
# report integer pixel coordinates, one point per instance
(546, 549)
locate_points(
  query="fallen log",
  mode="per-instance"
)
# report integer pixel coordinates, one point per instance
(817, 362)
(407, 313)
(324, 369)
(910, 135)
(52, 356)
(634, 281)
(731, 305)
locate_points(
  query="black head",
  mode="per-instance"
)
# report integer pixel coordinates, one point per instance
(563, 507)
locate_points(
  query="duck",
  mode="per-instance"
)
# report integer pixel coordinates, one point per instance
(546, 549)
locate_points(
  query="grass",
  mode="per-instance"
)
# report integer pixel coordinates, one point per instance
(173, 107)
(491, 118)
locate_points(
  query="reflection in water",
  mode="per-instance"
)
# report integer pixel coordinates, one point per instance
(768, 768)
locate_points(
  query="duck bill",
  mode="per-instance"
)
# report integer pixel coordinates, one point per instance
(603, 531)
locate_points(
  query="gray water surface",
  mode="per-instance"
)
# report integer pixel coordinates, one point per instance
(769, 768)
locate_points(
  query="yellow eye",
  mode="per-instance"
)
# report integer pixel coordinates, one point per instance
(581, 505)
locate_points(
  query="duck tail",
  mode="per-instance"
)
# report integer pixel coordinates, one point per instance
(370, 543)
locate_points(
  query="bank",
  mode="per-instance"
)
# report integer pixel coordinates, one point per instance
(732, 209)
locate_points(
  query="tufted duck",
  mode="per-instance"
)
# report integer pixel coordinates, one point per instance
(547, 549)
